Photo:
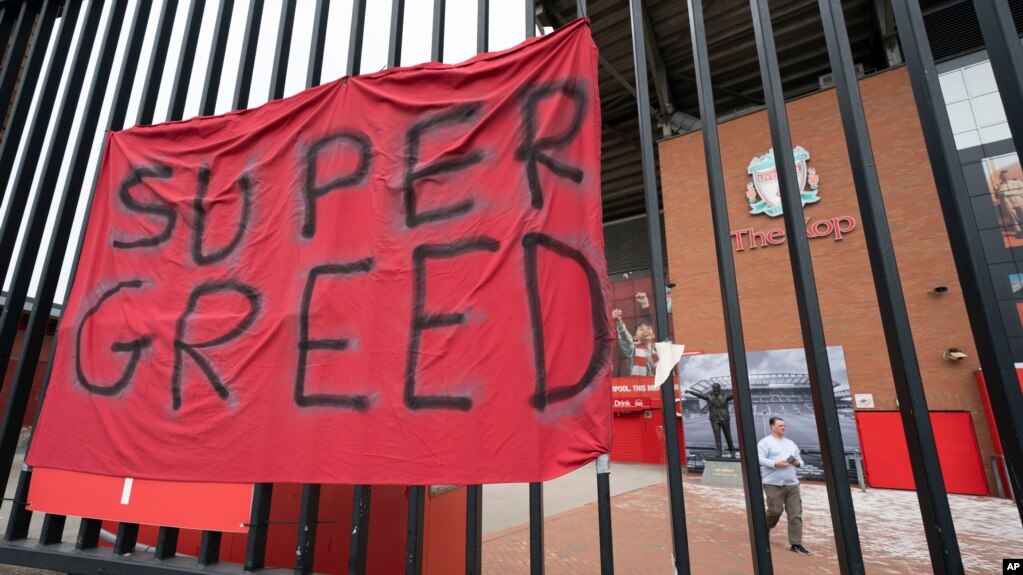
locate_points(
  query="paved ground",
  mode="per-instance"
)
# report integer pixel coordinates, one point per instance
(889, 522)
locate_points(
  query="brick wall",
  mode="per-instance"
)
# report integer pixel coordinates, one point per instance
(848, 302)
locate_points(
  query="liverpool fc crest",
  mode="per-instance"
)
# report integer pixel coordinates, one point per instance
(763, 191)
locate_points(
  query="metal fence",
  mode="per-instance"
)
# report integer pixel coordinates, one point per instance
(27, 30)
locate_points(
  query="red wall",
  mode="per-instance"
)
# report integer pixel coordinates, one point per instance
(848, 301)
(886, 457)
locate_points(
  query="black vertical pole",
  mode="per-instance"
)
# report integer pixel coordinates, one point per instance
(395, 36)
(166, 543)
(16, 121)
(482, 26)
(679, 537)
(259, 521)
(215, 65)
(607, 561)
(355, 38)
(53, 529)
(308, 520)
(209, 547)
(978, 290)
(843, 517)
(530, 18)
(88, 534)
(130, 65)
(247, 62)
(18, 197)
(286, 26)
(157, 63)
(315, 73)
(756, 516)
(7, 16)
(359, 540)
(1006, 55)
(473, 530)
(414, 530)
(923, 455)
(437, 47)
(126, 539)
(35, 331)
(536, 543)
(17, 523)
(10, 66)
(186, 60)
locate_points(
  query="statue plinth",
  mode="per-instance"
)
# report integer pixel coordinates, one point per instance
(722, 471)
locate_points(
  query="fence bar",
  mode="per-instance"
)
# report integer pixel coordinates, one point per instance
(259, 522)
(166, 542)
(53, 529)
(437, 46)
(530, 9)
(308, 520)
(395, 36)
(17, 523)
(157, 63)
(16, 121)
(607, 561)
(282, 52)
(473, 530)
(215, 65)
(482, 26)
(978, 291)
(355, 38)
(843, 517)
(14, 175)
(679, 537)
(536, 557)
(314, 77)
(129, 66)
(11, 63)
(7, 17)
(209, 547)
(1006, 56)
(14, 412)
(186, 60)
(247, 62)
(930, 486)
(127, 538)
(358, 543)
(756, 516)
(414, 530)
(88, 534)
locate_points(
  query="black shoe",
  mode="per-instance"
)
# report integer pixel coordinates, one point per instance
(799, 549)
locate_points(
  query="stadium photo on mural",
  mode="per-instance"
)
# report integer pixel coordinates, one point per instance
(780, 387)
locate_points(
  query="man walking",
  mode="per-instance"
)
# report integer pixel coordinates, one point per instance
(779, 458)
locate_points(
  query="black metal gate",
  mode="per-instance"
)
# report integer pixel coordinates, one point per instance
(29, 27)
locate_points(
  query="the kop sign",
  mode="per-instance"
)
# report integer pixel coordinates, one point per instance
(764, 196)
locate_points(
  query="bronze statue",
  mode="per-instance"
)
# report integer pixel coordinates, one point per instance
(717, 407)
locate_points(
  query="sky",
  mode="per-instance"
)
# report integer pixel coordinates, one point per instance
(506, 29)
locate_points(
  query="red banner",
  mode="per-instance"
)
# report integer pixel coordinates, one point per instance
(392, 278)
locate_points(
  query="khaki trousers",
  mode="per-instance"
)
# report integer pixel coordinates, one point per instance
(785, 497)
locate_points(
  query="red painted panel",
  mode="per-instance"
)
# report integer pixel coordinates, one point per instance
(213, 506)
(886, 457)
